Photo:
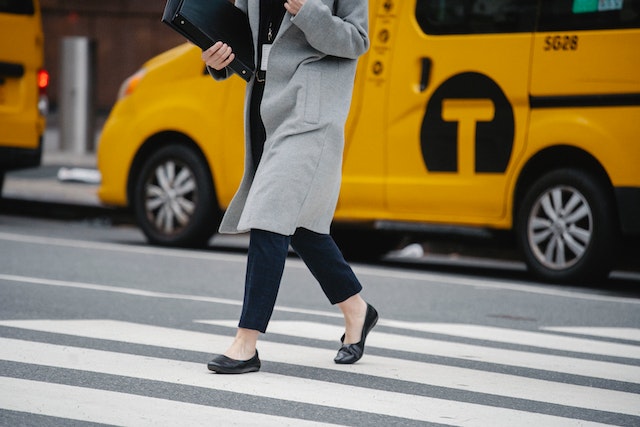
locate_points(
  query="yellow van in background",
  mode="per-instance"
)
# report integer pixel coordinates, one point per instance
(23, 84)
(520, 115)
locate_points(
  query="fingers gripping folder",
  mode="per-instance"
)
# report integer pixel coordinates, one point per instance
(205, 22)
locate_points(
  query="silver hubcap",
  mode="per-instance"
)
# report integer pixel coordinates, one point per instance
(170, 197)
(560, 227)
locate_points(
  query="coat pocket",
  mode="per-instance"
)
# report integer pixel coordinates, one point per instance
(312, 99)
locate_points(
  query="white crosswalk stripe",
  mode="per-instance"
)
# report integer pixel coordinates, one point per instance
(108, 407)
(568, 365)
(629, 334)
(53, 399)
(534, 339)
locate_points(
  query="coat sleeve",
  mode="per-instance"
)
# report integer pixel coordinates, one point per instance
(241, 4)
(344, 35)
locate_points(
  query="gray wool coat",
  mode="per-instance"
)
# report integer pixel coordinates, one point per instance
(307, 96)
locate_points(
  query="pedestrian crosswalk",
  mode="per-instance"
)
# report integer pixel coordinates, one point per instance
(445, 374)
(532, 360)
(115, 408)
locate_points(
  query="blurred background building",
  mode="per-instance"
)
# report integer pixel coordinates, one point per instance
(125, 32)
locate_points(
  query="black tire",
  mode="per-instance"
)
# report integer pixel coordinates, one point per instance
(566, 228)
(174, 199)
(1, 182)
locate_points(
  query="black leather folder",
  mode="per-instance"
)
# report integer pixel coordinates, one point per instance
(205, 22)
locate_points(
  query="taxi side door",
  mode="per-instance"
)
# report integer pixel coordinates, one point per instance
(458, 107)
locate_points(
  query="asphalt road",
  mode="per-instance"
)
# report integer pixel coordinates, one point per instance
(97, 327)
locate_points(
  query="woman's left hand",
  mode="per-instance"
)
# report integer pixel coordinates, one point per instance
(294, 6)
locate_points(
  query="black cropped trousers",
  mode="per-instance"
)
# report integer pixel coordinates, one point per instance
(265, 265)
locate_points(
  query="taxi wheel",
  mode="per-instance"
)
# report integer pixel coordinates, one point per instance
(174, 199)
(566, 227)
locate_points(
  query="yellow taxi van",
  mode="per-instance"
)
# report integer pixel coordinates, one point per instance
(519, 115)
(23, 84)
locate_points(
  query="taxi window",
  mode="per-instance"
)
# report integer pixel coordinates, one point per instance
(17, 7)
(567, 15)
(476, 16)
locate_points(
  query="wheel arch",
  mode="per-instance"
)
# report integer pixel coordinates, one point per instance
(560, 157)
(157, 142)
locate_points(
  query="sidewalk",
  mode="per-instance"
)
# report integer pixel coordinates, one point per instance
(43, 184)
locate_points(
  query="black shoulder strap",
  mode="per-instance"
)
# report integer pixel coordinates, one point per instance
(335, 7)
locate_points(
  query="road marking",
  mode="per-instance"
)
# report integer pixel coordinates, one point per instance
(151, 294)
(117, 247)
(184, 297)
(531, 360)
(397, 369)
(483, 283)
(165, 337)
(528, 338)
(274, 386)
(393, 274)
(628, 334)
(117, 289)
(115, 408)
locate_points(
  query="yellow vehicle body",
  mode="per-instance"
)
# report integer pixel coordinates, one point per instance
(475, 114)
(22, 82)
(173, 103)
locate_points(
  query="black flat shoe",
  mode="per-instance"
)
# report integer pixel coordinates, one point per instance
(225, 365)
(351, 353)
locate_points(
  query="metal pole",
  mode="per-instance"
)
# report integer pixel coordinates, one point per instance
(77, 106)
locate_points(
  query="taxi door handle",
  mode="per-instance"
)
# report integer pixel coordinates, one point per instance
(10, 69)
(425, 74)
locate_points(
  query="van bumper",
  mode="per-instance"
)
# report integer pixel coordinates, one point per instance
(628, 200)
(20, 158)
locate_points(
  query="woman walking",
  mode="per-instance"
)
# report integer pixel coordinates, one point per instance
(295, 111)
